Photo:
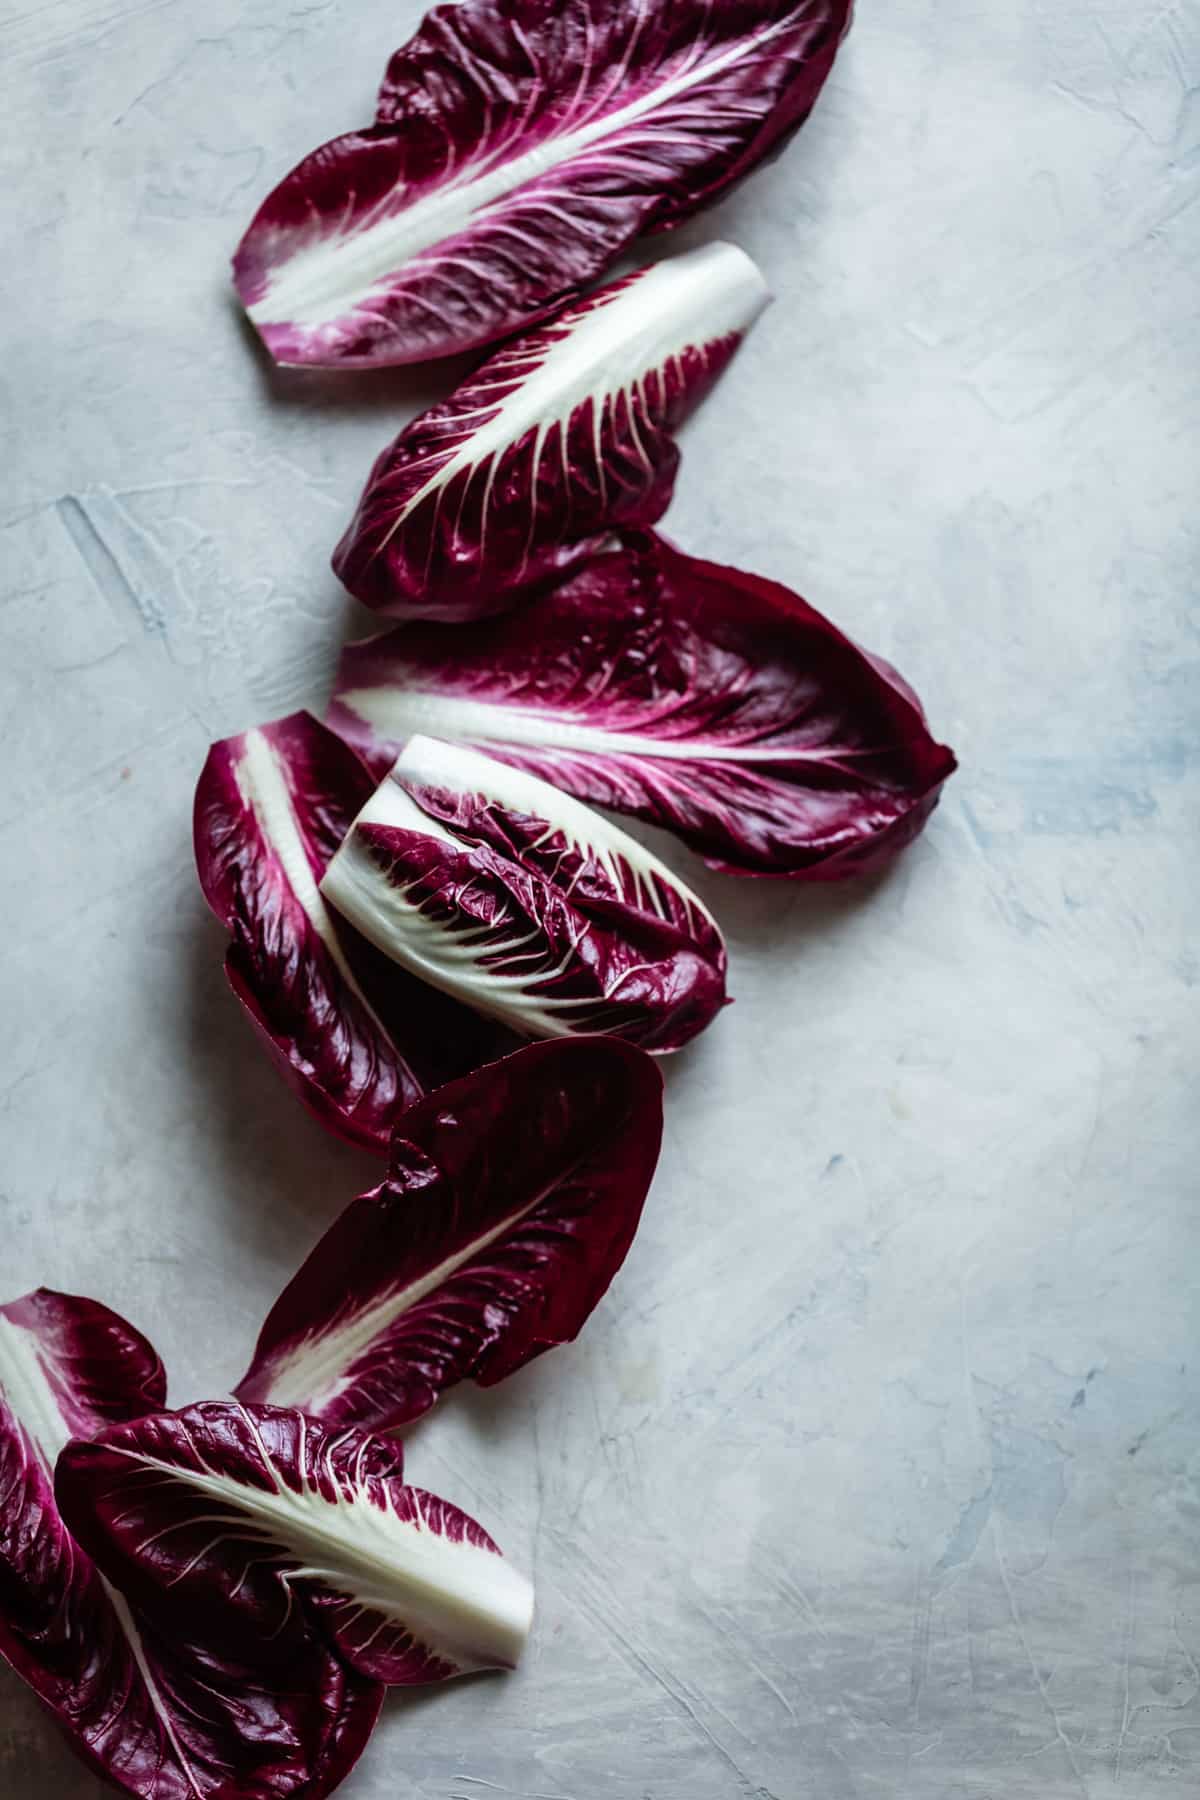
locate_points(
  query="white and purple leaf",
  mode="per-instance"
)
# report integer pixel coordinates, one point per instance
(260, 1526)
(694, 696)
(516, 899)
(357, 1038)
(518, 148)
(156, 1712)
(556, 439)
(512, 1198)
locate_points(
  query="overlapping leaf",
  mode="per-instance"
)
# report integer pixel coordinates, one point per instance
(518, 148)
(357, 1038)
(512, 897)
(259, 1525)
(155, 1712)
(557, 437)
(695, 696)
(512, 1198)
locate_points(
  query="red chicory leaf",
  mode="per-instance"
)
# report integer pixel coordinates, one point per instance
(535, 910)
(259, 1525)
(153, 1712)
(691, 695)
(557, 437)
(519, 147)
(512, 1199)
(355, 1036)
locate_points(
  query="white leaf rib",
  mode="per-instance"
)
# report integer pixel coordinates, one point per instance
(266, 793)
(28, 1392)
(399, 708)
(464, 1603)
(158, 1705)
(337, 270)
(314, 1373)
(603, 349)
(485, 965)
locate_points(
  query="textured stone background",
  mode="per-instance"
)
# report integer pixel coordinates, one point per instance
(877, 1473)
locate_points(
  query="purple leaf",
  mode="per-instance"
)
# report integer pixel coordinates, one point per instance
(257, 1525)
(356, 1037)
(691, 695)
(512, 1198)
(536, 911)
(558, 437)
(152, 1712)
(519, 147)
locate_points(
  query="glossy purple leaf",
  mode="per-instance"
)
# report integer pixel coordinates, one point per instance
(153, 1712)
(519, 147)
(558, 437)
(514, 898)
(695, 696)
(357, 1038)
(258, 1526)
(512, 1198)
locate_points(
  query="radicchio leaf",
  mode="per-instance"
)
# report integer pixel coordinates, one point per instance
(512, 1198)
(514, 898)
(356, 1037)
(258, 1524)
(151, 1711)
(691, 695)
(519, 146)
(557, 437)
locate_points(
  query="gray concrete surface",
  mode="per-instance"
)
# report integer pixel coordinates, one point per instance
(877, 1475)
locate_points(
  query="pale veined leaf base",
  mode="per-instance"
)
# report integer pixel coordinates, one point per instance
(512, 977)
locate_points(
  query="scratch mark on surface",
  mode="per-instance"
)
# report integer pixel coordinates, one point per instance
(922, 1622)
(11, 595)
(775, 1689)
(968, 1529)
(184, 481)
(70, 23)
(103, 565)
(10, 1087)
(539, 1477)
(494, 1497)
(1007, 906)
(1159, 1425)
(984, 1451)
(90, 662)
(1126, 1654)
(24, 513)
(972, 1405)
(478, 1781)
(1188, 1658)
(596, 1612)
(1052, 1712)
(732, 1636)
(791, 1590)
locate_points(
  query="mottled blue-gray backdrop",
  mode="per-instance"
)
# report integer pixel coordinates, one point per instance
(876, 1474)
